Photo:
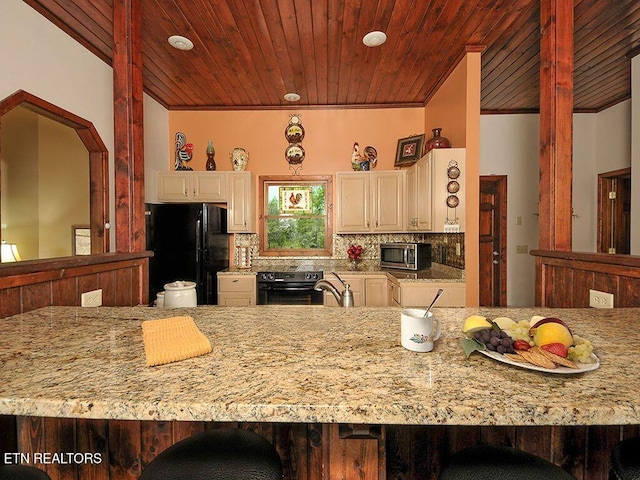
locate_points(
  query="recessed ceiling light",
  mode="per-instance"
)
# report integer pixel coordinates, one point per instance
(180, 42)
(374, 39)
(291, 97)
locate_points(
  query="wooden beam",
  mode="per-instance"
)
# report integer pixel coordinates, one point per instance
(556, 124)
(128, 125)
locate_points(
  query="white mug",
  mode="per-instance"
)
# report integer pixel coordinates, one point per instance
(417, 332)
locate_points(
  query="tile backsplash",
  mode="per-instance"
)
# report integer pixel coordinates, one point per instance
(447, 248)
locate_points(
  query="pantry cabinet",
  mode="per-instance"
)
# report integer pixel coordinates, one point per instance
(241, 201)
(420, 294)
(419, 191)
(236, 290)
(370, 201)
(190, 186)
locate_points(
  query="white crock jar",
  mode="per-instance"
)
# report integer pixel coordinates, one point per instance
(180, 294)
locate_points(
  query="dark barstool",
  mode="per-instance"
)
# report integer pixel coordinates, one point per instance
(221, 454)
(625, 460)
(22, 472)
(487, 462)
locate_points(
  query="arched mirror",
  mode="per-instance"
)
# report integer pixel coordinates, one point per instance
(54, 186)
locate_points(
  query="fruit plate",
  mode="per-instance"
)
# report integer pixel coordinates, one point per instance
(582, 367)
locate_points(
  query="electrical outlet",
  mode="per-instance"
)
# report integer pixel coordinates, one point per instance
(522, 248)
(599, 299)
(91, 299)
(458, 249)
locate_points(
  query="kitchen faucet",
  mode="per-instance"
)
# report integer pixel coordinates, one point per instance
(345, 299)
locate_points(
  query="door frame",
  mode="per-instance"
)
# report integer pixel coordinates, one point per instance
(500, 182)
(605, 217)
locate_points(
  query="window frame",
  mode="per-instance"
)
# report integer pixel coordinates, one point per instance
(302, 180)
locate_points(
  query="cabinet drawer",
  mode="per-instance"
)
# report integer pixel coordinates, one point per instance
(245, 283)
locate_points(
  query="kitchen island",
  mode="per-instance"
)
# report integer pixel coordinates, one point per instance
(313, 367)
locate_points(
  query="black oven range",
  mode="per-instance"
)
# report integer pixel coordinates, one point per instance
(289, 286)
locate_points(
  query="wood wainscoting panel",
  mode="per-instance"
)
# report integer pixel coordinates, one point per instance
(313, 451)
(29, 285)
(563, 279)
(92, 436)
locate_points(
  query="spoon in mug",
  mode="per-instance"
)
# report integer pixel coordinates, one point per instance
(434, 301)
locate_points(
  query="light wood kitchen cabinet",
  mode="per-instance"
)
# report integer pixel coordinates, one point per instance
(419, 202)
(236, 189)
(370, 201)
(190, 186)
(236, 290)
(375, 287)
(420, 294)
(356, 284)
(241, 202)
(368, 290)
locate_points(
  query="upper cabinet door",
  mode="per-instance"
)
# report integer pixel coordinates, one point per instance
(352, 202)
(424, 187)
(387, 201)
(241, 203)
(174, 186)
(210, 186)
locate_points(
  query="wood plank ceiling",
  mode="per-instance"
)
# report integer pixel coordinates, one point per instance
(249, 53)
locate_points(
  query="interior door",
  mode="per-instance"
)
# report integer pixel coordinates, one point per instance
(614, 212)
(493, 240)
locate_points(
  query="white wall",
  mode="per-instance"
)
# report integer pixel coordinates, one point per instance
(585, 183)
(38, 57)
(156, 146)
(509, 145)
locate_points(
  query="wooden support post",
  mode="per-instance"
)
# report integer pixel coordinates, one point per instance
(128, 125)
(556, 124)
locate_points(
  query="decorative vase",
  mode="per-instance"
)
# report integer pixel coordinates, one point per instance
(437, 141)
(211, 152)
(239, 159)
(355, 263)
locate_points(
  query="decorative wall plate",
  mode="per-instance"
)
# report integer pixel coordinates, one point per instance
(294, 133)
(453, 172)
(453, 187)
(294, 154)
(452, 201)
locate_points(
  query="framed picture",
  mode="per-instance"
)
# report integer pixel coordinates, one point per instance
(409, 150)
(295, 200)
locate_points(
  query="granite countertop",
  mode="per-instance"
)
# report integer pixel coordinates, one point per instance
(437, 272)
(306, 364)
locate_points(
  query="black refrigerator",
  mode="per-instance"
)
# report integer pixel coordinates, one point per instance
(189, 242)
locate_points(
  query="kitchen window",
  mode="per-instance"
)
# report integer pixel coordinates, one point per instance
(296, 215)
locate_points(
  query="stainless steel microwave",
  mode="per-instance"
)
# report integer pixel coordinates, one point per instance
(406, 256)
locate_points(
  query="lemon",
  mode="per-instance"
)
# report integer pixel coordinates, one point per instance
(504, 323)
(474, 323)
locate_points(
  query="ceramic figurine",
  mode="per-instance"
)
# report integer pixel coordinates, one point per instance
(184, 152)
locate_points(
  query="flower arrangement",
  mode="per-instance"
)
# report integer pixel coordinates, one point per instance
(354, 252)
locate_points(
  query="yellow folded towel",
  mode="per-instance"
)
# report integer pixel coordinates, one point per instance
(172, 339)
